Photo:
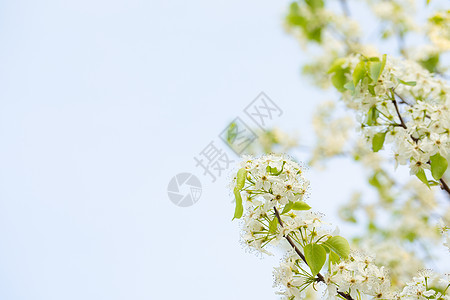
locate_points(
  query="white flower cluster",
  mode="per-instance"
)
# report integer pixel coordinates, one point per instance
(290, 277)
(357, 275)
(274, 140)
(272, 182)
(309, 22)
(332, 133)
(391, 254)
(439, 30)
(404, 104)
(427, 285)
(273, 188)
(397, 12)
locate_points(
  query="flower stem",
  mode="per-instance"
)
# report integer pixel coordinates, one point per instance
(291, 242)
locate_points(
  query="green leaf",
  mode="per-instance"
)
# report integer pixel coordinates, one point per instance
(371, 88)
(240, 179)
(376, 68)
(421, 175)
(410, 83)
(434, 183)
(372, 116)
(315, 257)
(239, 210)
(336, 65)
(273, 225)
(275, 172)
(339, 245)
(271, 170)
(300, 205)
(314, 34)
(231, 133)
(287, 207)
(334, 258)
(431, 63)
(339, 80)
(294, 18)
(314, 4)
(375, 182)
(383, 63)
(350, 86)
(359, 72)
(378, 141)
(438, 166)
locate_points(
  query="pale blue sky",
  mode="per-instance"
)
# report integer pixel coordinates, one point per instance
(101, 103)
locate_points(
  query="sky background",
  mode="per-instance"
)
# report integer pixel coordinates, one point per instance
(101, 104)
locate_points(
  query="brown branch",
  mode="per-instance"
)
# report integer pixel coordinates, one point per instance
(396, 109)
(345, 295)
(402, 100)
(444, 185)
(320, 277)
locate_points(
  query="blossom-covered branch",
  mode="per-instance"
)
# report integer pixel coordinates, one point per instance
(274, 190)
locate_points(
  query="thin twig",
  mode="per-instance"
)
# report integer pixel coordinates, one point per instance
(320, 277)
(444, 184)
(396, 109)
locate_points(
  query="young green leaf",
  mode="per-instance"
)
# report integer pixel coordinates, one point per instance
(275, 172)
(438, 166)
(294, 17)
(339, 80)
(350, 86)
(240, 179)
(383, 63)
(376, 68)
(334, 258)
(378, 141)
(359, 72)
(273, 225)
(300, 205)
(372, 116)
(371, 89)
(431, 63)
(271, 171)
(315, 257)
(422, 177)
(239, 210)
(287, 207)
(410, 83)
(336, 65)
(231, 133)
(339, 245)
